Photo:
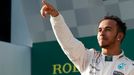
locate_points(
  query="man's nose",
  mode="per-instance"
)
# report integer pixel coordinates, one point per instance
(102, 32)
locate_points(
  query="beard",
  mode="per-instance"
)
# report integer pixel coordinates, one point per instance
(105, 43)
(104, 46)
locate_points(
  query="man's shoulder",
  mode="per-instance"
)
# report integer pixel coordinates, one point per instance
(124, 64)
(93, 52)
(131, 64)
(128, 61)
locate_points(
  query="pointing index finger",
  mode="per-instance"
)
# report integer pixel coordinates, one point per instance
(43, 2)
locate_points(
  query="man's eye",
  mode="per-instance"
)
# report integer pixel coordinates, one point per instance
(108, 29)
(99, 30)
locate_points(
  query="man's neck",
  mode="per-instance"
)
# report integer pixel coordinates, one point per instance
(111, 51)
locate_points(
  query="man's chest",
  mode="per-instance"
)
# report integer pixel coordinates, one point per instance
(101, 67)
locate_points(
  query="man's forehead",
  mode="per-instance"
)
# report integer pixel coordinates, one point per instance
(107, 23)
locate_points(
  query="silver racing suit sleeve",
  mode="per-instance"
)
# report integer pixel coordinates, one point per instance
(72, 47)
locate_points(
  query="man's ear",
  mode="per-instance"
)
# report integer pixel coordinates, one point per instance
(120, 36)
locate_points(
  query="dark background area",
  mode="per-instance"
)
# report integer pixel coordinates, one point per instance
(5, 20)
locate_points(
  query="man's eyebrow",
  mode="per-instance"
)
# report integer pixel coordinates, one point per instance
(109, 27)
(105, 27)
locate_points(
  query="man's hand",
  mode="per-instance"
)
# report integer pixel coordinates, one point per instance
(48, 9)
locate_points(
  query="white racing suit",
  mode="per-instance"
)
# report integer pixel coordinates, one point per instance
(89, 61)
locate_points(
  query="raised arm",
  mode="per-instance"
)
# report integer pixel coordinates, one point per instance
(72, 47)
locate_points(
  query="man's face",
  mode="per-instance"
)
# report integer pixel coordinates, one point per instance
(107, 33)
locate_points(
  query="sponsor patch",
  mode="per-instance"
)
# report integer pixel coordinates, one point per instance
(109, 58)
(121, 66)
(117, 73)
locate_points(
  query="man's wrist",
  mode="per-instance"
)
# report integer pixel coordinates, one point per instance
(54, 13)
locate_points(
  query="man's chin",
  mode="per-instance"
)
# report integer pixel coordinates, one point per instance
(103, 46)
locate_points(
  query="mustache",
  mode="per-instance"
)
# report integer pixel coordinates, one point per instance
(103, 38)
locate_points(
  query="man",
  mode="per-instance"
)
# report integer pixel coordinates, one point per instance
(111, 32)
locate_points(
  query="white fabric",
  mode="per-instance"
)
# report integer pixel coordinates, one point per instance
(88, 61)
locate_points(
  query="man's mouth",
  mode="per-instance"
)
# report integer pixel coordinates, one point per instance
(103, 38)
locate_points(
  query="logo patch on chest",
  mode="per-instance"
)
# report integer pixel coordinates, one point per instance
(121, 66)
(117, 73)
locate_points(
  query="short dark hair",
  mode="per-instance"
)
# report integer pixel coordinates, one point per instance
(121, 25)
